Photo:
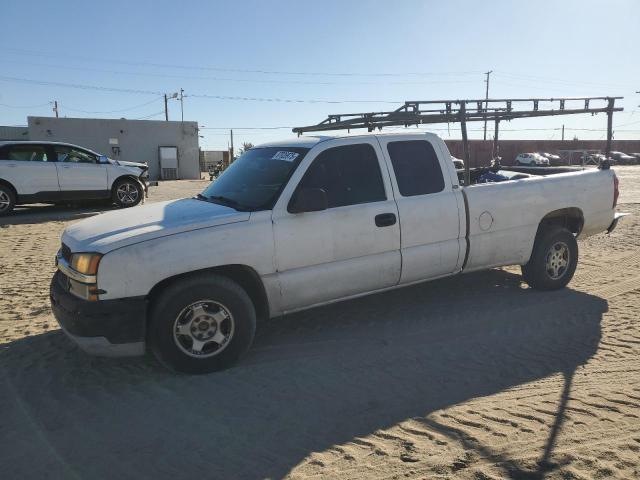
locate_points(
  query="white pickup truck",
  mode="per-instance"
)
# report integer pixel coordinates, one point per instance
(293, 225)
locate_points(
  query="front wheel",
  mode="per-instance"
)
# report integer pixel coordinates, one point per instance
(201, 324)
(127, 193)
(7, 200)
(553, 261)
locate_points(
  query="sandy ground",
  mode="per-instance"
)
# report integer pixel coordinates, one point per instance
(471, 377)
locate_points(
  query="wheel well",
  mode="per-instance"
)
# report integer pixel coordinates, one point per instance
(7, 184)
(122, 177)
(243, 275)
(570, 218)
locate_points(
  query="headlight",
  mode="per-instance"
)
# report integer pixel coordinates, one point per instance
(86, 263)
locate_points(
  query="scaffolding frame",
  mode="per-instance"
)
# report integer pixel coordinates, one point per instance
(463, 111)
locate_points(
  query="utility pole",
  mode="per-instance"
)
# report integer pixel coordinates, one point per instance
(181, 105)
(231, 152)
(486, 104)
(563, 132)
(55, 107)
(166, 109)
(609, 126)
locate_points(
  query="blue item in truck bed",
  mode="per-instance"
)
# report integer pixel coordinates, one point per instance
(490, 177)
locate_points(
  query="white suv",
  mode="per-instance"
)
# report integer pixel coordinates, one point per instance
(532, 160)
(51, 172)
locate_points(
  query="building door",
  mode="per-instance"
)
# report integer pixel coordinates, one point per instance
(168, 162)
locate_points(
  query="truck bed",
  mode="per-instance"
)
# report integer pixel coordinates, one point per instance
(501, 228)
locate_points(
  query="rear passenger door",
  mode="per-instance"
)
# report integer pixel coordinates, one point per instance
(79, 170)
(429, 208)
(31, 170)
(348, 249)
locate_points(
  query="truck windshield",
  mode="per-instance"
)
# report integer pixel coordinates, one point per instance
(254, 181)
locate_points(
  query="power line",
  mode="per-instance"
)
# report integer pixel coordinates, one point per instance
(243, 128)
(161, 112)
(26, 106)
(537, 79)
(214, 97)
(287, 100)
(240, 70)
(111, 111)
(227, 79)
(78, 86)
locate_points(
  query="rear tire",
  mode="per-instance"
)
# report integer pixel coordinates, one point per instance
(201, 324)
(127, 193)
(7, 200)
(553, 261)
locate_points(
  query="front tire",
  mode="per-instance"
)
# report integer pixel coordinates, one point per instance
(7, 200)
(127, 193)
(201, 324)
(553, 261)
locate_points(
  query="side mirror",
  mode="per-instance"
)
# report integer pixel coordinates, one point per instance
(103, 159)
(308, 200)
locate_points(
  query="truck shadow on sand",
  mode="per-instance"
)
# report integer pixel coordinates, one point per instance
(313, 380)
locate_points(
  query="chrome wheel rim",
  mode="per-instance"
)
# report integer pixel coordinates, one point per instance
(127, 193)
(557, 261)
(4, 201)
(203, 329)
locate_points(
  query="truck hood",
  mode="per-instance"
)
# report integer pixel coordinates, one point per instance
(109, 231)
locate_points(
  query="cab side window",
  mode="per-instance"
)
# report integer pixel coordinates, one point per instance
(416, 167)
(26, 153)
(349, 175)
(73, 155)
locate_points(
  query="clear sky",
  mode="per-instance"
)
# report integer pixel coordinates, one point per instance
(364, 53)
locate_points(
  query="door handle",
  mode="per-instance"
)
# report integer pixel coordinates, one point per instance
(385, 219)
(66, 166)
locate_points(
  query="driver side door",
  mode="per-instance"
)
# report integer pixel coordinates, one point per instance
(350, 248)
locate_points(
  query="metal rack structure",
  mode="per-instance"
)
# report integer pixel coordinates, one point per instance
(463, 111)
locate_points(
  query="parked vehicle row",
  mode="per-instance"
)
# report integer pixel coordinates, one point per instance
(532, 160)
(553, 158)
(53, 172)
(303, 223)
(622, 158)
(546, 159)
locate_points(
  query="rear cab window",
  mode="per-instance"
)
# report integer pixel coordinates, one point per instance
(416, 167)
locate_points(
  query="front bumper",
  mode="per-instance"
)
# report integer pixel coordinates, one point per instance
(105, 327)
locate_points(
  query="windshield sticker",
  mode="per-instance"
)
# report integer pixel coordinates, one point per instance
(285, 156)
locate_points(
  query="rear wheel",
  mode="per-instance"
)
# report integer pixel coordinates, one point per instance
(7, 200)
(553, 261)
(201, 324)
(127, 193)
